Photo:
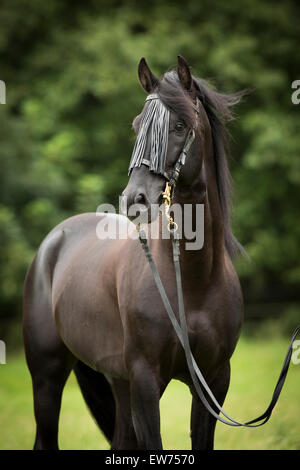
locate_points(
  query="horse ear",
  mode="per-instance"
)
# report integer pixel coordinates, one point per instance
(184, 73)
(148, 80)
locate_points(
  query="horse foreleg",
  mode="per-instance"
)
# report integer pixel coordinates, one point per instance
(145, 395)
(202, 422)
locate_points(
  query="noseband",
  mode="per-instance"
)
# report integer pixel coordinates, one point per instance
(138, 157)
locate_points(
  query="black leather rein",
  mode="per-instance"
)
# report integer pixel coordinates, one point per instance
(182, 333)
(181, 329)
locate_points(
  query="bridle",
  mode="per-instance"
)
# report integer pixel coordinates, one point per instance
(172, 177)
(180, 327)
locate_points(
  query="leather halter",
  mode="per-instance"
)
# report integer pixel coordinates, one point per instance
(181, 328)
(173, 177)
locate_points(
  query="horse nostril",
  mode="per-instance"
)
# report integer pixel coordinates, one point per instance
(140, 199)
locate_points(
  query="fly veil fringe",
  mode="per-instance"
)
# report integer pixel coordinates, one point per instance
(156, 122)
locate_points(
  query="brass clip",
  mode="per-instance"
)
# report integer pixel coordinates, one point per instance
(167, 202)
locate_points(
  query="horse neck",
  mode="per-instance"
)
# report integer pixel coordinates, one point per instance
(202, 263)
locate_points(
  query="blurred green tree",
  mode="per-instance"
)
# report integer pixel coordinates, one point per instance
(72, 92)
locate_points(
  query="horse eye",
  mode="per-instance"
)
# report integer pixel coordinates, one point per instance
(179, 126)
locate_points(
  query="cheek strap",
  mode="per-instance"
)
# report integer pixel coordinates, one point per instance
(183, 156)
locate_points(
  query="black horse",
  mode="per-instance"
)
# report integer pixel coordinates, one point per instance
(92, 305)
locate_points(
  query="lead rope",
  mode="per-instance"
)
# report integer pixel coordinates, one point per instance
(182, 331)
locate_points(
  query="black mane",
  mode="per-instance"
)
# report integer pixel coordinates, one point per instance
(218, 107)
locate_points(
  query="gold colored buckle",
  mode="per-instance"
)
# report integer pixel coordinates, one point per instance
(166, 194)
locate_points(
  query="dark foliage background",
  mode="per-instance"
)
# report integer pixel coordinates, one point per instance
(70, 70)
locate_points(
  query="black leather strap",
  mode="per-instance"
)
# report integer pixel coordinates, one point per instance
(182, 333)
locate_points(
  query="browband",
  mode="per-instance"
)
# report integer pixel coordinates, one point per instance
(137, 157)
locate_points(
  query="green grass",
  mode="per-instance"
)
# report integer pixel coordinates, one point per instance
(255, 368)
